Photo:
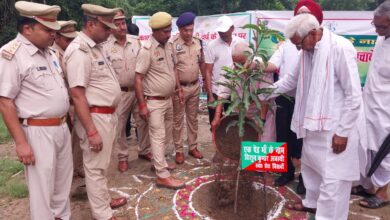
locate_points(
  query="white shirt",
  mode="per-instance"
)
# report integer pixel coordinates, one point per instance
(285, 58)
(376, 95)
(219, 53)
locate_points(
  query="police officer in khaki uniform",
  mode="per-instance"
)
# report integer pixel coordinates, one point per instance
(34, 102)
(188, 58)
(95, 92)
(123, 50)
(63, 38)
(154, 86)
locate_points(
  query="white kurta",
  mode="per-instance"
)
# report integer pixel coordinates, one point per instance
(286, 58)
(376, 96)
(317, 151)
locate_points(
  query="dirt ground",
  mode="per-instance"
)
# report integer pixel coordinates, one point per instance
(145, 201)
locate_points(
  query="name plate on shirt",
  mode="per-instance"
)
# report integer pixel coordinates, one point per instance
(264, 156)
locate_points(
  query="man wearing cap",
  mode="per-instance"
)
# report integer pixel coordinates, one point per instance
(63, 38)
(189, 60)
(154, 86)
(34, 102)
(218, 54)
(95, 92)
(123, 50)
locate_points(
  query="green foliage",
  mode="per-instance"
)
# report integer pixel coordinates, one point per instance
(16, 189)
(72, 10)
(4, 134)
(248, 77)
(9, 184)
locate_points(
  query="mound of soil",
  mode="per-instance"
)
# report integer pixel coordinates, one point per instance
(228, 142)
(216, 199)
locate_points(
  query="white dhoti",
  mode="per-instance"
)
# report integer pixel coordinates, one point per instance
(327, 176)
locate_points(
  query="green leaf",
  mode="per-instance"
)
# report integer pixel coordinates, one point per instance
(217, 102)
(256, 101)
(241, 121)
(252, 26)
(233, 106)
(260, 122)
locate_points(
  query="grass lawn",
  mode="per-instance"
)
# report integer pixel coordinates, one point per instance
(11, 179)
(4, 135)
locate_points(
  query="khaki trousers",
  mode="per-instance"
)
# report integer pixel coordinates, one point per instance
(142, 132)
(125, 106)
(160, 128)
(76, 150)
(50, 179)
(96, 164)
(190, 108)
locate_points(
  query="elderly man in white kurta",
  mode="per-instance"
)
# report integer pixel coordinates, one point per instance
(328, 101)
(376, 95)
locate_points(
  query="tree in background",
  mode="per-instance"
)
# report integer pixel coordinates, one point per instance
(70, 9)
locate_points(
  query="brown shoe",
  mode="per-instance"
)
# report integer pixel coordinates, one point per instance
(123, 166)
(118, 202)
(148, 156)
(195, 153)
(171, 166)
(179, 158)
(170, 183)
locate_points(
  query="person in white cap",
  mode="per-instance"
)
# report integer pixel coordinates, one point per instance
(123, 50)
(95, 92)
(34, 102)
(218, 54)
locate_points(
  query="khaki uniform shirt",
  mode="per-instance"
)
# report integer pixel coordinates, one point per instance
(187, 58)
(155, 62)
(59, 52)
(32, 78)
(88, 66)
(124, 58)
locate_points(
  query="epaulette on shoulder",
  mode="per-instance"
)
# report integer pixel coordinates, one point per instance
(173, 38)
(83, 47)
(147, 45)
(10, 49)
(133, 36)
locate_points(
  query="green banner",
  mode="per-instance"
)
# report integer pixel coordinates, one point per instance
(264, 156)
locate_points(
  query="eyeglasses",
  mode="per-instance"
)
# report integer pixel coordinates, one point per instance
(379, 27)
(301, 43)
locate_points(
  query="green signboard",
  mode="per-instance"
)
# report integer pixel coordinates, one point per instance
(264, 156)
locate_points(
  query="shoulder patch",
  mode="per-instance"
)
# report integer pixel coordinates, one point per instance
(83, 47)
(10, 49)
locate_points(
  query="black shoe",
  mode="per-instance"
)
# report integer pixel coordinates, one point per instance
(301, 189)
(284, 179)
